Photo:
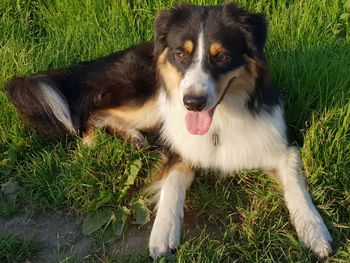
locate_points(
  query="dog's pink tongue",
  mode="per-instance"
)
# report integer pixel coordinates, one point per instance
(198, 122)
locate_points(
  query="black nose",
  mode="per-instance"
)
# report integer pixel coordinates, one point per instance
(195, 103)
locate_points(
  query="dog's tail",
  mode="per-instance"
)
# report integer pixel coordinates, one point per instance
(40, 101)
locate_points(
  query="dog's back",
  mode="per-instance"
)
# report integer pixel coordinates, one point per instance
(60, 102)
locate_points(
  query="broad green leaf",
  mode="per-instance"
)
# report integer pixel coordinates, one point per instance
(13, 153)
(141, 214)
(121, 216)
(96, 221)
(104, 198)
(10, 189)
(347, 6)
(132, 171)
(345, 17)
(122, 193)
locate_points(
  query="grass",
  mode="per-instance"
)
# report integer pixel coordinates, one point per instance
(13, 249)
(309, 54)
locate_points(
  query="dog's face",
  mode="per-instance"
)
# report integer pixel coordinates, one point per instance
(201, 50)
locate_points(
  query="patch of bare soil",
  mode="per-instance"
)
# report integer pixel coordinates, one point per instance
(56, 232)
(60, 235)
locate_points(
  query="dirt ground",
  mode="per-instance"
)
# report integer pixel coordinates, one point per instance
(60, 235)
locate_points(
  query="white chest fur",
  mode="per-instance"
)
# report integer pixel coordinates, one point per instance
(244, 141)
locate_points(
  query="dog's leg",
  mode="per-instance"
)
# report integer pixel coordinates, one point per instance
(165, 234)
(89, 137)
(307, 221)
(130, 134)
(115, 126)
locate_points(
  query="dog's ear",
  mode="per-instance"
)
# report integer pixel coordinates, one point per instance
(161, 29)
(256, 33)
(252, 25)
(162, 25)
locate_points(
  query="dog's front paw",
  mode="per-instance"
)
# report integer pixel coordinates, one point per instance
(165, 236)
(322, 248)
(315, 235)
(138, 140)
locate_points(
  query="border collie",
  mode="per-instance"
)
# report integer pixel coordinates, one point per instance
(204, 86)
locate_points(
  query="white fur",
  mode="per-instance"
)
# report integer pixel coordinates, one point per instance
(196, 81)
(165, 234)
(307, 221)
(58, 105)
(245, 141)
(236, 140)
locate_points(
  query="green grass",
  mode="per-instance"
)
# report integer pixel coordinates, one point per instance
(13, 249)
(309, 55)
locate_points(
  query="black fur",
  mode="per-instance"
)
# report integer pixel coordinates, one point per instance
(123, 78)
(129, 77)
(241, 32)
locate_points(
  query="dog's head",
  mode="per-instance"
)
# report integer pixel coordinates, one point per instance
(201, 51)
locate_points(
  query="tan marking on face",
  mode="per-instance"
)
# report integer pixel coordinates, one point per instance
(244, 82)
(171, 76)
(188, 46)
(215, 49)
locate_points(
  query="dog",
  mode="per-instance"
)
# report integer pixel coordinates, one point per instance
(205, 87)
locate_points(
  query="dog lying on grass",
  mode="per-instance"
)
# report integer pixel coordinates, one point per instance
(204, 86)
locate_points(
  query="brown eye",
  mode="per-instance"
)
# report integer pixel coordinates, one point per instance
(179, 55)
(223, 58)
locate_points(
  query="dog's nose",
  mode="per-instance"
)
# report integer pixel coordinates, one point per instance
(195, 103)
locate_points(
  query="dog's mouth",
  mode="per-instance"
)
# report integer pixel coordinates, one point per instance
(199, 122)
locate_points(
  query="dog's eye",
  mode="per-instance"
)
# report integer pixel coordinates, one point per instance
(223, 58)
(181, 56)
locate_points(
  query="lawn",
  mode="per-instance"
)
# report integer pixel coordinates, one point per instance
(308, 50)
